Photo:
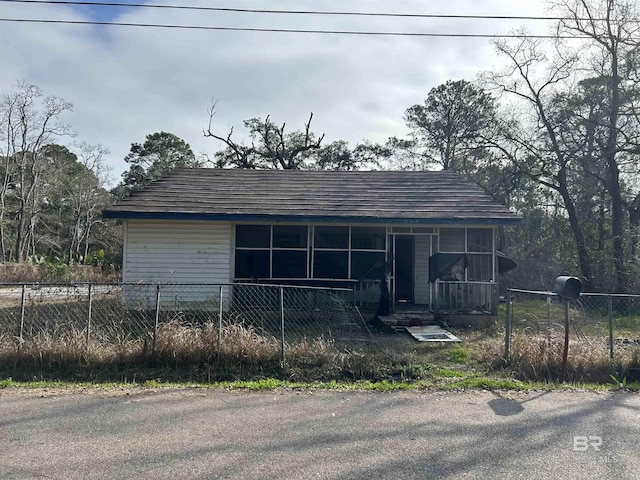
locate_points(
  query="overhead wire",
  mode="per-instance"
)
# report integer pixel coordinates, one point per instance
(289, 30)
(292, 12)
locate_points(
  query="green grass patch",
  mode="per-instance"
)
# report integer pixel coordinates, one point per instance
(7, 382)
(449, 373)
(458, 354)
(453, 382)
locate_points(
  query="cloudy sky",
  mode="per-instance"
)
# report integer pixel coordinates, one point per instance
(127, 82)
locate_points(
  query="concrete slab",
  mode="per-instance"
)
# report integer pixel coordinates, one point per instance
(432, 333)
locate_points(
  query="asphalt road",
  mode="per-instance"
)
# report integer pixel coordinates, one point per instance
(326, 435)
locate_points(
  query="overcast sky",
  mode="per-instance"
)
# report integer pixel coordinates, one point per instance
(127, 82)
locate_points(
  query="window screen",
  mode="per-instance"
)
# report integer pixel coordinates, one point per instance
(327, 264)
(253, 236)
(290, 236)
(331, 237)
(368, 238)
(479, 240)
(480, 268)
(367, 265)
(289, 264)
(252, 264)
(452, 240)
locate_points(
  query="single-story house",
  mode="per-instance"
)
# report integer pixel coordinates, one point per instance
(428, 238)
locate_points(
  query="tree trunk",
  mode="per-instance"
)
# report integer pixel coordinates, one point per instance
(617, 204)
(581, 247)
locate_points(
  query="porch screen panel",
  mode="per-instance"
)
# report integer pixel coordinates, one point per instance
(476, 247)
(266, 251)
(480, 254)
(331, 252)
(479, 240)
(368, 252)
(480, 267)
(367, 265)
(290, 236)
(253, 236)
(252, 252)
(331, 264)
(334, 238)
(289, 258)
(252, 264)
(289, 264)
(452, 240)
(368, 238)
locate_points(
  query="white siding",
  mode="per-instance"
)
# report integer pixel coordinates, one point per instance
(177, 252)
(421, 280)
(163, 251)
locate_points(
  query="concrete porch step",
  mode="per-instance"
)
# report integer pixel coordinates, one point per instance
(408, 319)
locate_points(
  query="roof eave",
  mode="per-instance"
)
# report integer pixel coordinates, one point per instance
(502, 221)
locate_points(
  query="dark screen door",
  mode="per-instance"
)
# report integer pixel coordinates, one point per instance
(404, 269)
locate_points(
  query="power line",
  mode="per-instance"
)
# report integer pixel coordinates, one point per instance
(297, 12)
(293, 30)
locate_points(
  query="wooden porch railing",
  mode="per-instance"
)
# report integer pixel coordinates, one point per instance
(467, 297)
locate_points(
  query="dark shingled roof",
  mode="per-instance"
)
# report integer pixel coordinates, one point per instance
(319, 196)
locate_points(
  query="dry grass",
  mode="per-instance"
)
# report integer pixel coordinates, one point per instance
(28, 273)
(185, 352)
(539, 358)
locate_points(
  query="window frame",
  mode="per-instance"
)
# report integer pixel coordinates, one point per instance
(311, 250)
(472, 253)
(271, 249)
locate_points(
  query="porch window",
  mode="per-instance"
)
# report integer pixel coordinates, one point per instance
(289, 255)
(324, 252)
(367, 265)
(290, 236)
(452, 240)
(475, 245)
(335, 238)
(368, 238)
(266, 251)
(480, 254)
(331, 264)
(349, 252)
(253, 236)
(368, 252)
(331, 252)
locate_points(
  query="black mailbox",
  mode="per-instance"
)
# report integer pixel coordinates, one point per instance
(568, 287)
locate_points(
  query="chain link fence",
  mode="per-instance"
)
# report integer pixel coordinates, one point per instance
(115, 313)
(601, 327)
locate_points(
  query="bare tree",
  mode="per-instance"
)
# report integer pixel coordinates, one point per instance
(87, 197)
(270, 146)
(610, 52)
(534, 80)
(30, 121)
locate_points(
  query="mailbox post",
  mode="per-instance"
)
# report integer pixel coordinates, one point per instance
(567, 288)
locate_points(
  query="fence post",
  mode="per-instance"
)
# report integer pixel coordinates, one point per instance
(155, 326)
(220, 321)
(507, 333)
(282, 325)
(610, 308)
(22, 306)
(89, 314)
(548, 321)
(565, 351)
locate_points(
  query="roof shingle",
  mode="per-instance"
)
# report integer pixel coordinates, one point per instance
(322, 196)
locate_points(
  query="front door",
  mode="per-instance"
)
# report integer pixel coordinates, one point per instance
(404, 261)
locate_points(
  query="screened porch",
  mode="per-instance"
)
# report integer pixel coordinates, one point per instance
(432, 268)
